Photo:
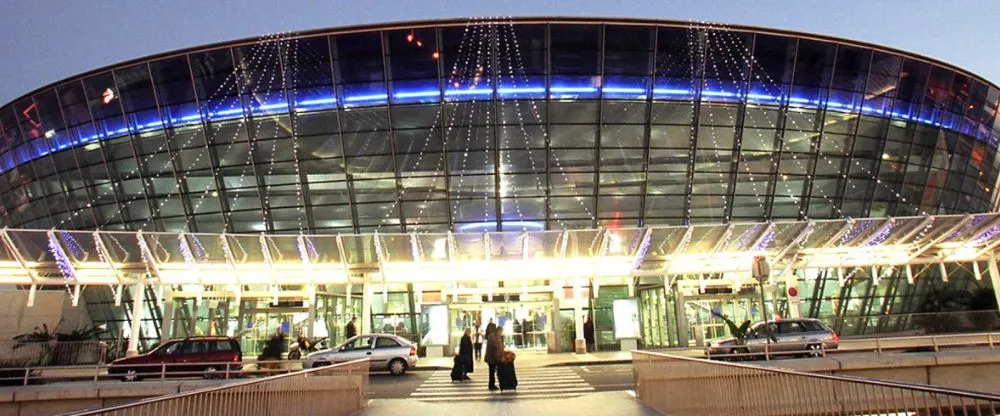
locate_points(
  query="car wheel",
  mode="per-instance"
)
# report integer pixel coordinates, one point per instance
(130, 375)
(397, 367)
(742, 352)
(211, 372)
(815, 350)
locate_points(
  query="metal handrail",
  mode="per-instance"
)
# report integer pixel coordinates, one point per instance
(987, 339)
(212, 389)
(874, 382)
(680, 385)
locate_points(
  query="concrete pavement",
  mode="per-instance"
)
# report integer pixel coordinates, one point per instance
(612, 403)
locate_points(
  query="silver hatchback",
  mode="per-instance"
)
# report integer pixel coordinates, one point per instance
(792, 337)
(385, 353)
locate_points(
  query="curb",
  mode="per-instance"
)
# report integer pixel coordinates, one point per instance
(428, 368)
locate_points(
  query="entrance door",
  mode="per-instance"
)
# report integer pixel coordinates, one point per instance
(525, 324)
(262, 324)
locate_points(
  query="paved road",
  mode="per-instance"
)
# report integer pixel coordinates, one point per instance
(437, 385)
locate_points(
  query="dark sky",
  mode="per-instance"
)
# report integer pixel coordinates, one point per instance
(43, 41)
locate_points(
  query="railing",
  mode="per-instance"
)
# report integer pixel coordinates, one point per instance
(149, 372)
(51, 353)
(676, 385)
(935, 343)
(915, 323)
(339, 389)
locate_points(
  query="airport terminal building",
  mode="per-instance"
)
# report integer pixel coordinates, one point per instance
(425, 176)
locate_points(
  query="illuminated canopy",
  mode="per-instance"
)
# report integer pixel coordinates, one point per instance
(75, 258)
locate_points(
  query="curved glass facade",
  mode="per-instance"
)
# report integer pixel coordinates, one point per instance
(501, 125)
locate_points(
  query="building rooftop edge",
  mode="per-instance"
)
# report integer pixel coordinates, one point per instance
(401, 24)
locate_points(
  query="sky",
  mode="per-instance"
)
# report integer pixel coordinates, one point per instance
(43, 41)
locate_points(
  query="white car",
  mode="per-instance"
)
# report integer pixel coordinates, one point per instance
(386, 353)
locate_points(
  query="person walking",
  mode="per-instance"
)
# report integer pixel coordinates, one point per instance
(491, 328)
(477, 341)
(494, 349)
(349, 330)
(504, 363)
(588, 334)
(465, 351)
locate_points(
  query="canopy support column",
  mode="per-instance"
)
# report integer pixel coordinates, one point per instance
(995, 277)
(366, 307)
(138, 294)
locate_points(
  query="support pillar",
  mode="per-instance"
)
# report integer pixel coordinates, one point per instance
(166, 325)
(311, 322)
(995, 278)
(138, 294)
(681, 315)
(211, 330)
(580, 343)
(366, 308)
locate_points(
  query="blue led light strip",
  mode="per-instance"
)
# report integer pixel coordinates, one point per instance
(11, 161)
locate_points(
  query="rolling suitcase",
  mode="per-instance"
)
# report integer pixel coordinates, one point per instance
(507, 376)
(456, 370)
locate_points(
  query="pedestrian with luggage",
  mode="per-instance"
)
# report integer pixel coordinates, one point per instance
(465, 351)
(504, 362)
(491, 328)
(494, 347)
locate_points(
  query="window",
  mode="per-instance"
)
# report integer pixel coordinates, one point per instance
(813, 326)
(195, 347)
(223, 346)
(383, 342)
(169, 349)
(790, 328)
(366, 342)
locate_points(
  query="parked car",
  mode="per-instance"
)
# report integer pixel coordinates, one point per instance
(791, 336)
(387, 352)
(183, 357)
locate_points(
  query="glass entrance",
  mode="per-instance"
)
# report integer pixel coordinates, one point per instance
(525, 323)
(259, 325)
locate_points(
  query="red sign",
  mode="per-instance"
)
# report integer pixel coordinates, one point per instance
(793, 292)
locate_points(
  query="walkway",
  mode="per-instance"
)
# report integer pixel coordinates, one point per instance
(530, 359)
(615, 403)
(533, 383)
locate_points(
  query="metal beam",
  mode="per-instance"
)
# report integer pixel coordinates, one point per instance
(723, 238)
(12, 249)
(926, 222)
(231, 260)
(848, 224)
(796, 241)
(943, 236)
(147, 255)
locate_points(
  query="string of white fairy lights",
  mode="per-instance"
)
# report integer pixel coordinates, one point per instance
(453, 78)
(508, 149)
(258, 122)
(159, 149)
(732, 62)
(844, 175)
(772, 124)
(539, 120)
